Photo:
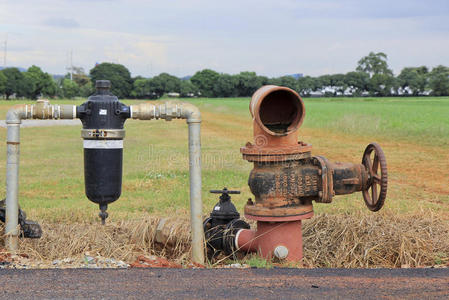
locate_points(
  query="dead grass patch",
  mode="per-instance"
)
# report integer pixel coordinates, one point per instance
(357, 240)
(386, 239)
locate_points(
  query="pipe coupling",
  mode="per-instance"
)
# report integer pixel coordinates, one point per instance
(44, 110)
(148, 111)
(166, 111)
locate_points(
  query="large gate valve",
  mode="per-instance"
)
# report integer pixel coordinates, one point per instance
(286, 178)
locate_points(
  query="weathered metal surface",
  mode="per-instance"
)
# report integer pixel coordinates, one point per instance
(373, 201)
(284, 183)
(287, 186)
(278, 111)
(270, 235)
(286, 178)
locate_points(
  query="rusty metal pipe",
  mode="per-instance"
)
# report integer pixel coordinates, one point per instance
(286, 178)
(277, 110)
(41, 110)
(180, 110)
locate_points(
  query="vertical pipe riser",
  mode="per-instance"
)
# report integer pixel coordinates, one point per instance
(40, 110)
(12, 186)
(196, 204)
(168, 111)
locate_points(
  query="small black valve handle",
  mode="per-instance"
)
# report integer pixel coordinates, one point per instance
(224, 193)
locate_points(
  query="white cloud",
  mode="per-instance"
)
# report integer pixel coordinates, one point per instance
(181, 37)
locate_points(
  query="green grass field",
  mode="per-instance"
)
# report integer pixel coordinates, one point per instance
(414, 133)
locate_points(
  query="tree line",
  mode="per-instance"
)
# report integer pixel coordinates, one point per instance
(372, 77)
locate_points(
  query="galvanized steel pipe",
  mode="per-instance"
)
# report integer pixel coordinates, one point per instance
(178, 110)
(41, 110)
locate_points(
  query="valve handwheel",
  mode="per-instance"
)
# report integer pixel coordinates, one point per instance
(375, 199)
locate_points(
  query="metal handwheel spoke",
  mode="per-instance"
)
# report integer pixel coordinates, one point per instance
(375, 163)
(373, 193)
(376, 179)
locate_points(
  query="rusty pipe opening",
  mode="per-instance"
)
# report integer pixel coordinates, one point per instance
(279, 111)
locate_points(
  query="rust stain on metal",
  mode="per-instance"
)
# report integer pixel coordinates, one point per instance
(286, 178)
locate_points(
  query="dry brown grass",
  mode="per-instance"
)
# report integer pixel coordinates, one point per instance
(123, 240)
(376, 240)
(357, 240)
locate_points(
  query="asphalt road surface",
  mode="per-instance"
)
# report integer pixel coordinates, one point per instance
(225, 283)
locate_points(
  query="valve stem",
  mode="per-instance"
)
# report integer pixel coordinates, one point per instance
(103, 214)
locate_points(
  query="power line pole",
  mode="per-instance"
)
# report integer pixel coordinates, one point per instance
(5, 51)
(70, 67)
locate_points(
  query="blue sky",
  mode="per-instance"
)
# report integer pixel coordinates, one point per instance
(180, 37)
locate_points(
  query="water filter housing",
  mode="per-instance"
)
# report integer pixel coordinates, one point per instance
(103, 117)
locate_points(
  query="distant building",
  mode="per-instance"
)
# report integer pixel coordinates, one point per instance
(297, 75)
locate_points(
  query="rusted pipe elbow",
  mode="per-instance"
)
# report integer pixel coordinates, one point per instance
(277, 113)
(276, 110)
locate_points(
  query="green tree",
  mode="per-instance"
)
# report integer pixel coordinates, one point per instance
(69, 89)
(324, 80)
(357, 82)
(305, 85)
(14, 81)
(205, 81)
(381, 85)
(439, 81)
(3, 80)
(51, 88)
(187, 89)
(79, 76)
(338, 82)
(226, 86)
(37, 83)
(413, 78)
(140, 89)
(165, 83)
(248, 83)
(119, 75)
(87, 89)
(374, 63)
(289, 82)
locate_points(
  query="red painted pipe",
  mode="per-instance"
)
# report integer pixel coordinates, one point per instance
(280, 239)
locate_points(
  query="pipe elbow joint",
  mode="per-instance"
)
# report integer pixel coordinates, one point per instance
(191, 113)
(16, 114)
